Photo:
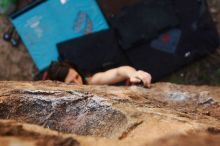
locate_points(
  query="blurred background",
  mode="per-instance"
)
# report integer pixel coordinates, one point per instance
(16, 63)
(205, 70)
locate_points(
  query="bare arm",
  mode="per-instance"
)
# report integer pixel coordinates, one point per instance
(119, 74)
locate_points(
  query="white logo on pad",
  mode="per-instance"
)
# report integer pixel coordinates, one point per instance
(63, 2)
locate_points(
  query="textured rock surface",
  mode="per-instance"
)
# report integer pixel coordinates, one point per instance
(166, 114)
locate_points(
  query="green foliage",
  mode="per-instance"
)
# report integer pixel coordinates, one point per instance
(7, 6)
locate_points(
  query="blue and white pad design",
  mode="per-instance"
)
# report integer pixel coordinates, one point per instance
(44, 25)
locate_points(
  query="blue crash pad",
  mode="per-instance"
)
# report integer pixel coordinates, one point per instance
(45, 23)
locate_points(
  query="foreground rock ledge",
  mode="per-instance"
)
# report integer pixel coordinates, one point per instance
(54, 113)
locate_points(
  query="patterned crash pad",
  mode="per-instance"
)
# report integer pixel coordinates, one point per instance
(45, 23)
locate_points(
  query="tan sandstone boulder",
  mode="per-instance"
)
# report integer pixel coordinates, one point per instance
(57, 114)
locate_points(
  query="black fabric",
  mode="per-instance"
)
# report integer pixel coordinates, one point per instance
(156, 62)
(199, 33)
(94, 52)
(110, 8)
(198, 37)
(194, 36)
(143, 21)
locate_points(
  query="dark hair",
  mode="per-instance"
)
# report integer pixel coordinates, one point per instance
(58, 71)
